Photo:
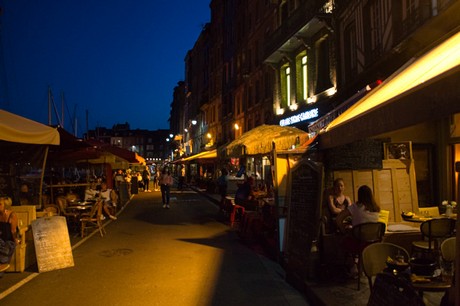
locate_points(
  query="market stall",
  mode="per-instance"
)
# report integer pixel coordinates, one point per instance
(269, 153)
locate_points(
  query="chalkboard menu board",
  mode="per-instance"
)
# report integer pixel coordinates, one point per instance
(362, 154)
(304, 216)
(52, 243)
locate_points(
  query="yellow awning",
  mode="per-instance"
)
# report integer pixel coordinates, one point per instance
(439, 60)
(202, 155)
(261, 139)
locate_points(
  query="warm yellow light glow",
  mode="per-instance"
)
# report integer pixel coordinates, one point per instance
(202, 155)
(293, 107)
(331, 91)
(237, 127)
(435, 62)
(280, 111)
(311, 99)
(209, 135)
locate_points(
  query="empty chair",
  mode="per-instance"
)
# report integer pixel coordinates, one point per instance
(448, 249)
(432, 231)
(71, 217)
(375, 256)
(429, 211)
(365, 234)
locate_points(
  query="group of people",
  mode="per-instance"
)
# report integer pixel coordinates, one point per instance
(344, 214)
(109, 197)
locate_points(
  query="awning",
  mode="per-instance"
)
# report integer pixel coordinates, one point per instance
(126, 155)
(426, 88)
(15, 128)
(201, 155)
(260, 140)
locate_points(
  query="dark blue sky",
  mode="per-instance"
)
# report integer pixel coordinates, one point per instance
(118, 59)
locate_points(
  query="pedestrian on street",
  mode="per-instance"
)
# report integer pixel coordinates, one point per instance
(166, 182)
(182, 178)
(222, 183)
(146, 178)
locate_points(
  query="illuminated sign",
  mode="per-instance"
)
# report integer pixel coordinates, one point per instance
(303, 116)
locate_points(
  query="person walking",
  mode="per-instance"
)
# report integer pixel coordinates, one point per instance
(182, 178)
(146, 178)
(222, 183)
(166, 182)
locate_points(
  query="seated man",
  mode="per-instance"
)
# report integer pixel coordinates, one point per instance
(110, 198)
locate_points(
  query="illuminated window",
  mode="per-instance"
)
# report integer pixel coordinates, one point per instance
(288, 85)
(304, 78)
(285, 86)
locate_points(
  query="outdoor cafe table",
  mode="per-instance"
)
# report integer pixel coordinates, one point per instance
(402, 234)
(80, 207)
(428, 284)
(420, 219)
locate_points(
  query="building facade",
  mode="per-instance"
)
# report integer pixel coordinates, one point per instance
(305, 62)
(151, 145)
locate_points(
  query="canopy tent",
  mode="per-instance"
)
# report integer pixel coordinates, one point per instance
(260, 140)
(18, 129)
(24, 150)
(118, 157)
(129, 156)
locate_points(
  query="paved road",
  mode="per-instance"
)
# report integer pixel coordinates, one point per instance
(155, 256)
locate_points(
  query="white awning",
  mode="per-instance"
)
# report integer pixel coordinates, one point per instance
(15, 128)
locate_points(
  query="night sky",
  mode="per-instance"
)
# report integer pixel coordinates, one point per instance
(117, 59)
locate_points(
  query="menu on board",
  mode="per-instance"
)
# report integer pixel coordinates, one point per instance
(304, 216)
(52, 243)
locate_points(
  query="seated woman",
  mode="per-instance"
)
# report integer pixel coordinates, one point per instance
(364, 210)
(337, 201)
(8, 232)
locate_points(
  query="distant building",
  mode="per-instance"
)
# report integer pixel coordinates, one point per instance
(151, 145)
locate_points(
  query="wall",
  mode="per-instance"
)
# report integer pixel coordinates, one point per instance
(394, 186)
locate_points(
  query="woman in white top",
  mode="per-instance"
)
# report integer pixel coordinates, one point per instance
(364, 210)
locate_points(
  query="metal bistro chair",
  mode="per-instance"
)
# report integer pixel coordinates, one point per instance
(366, 234)
(433, 231)
(375, 256)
